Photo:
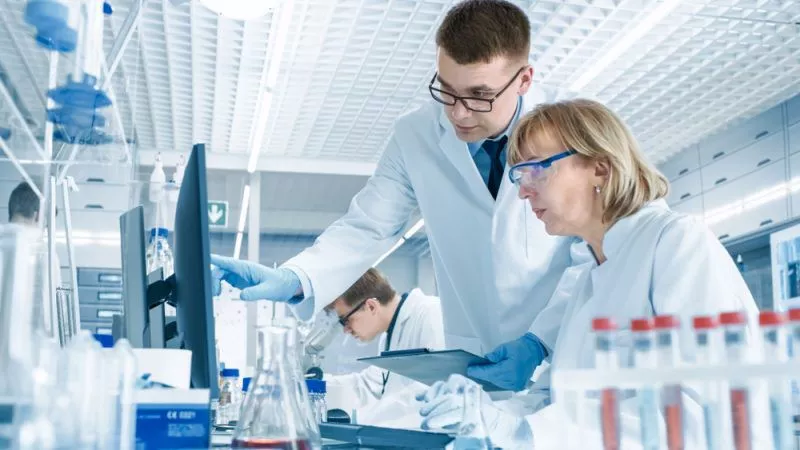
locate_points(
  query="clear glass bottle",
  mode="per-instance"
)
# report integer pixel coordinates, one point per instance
(316, 392)
(272, 415)
(159, 253)
(472, 434)
(230, 397)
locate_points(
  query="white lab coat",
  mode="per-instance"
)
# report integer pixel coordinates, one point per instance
(418, 325)
(658, 262)
(495, 266)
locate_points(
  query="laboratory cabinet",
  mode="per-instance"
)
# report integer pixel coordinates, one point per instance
(794, 138)
(749, 162)
(692, 206)
(685, 187)
(759, 154)
(99, 297)
(793, 109)
(681, 164)
(740, 135)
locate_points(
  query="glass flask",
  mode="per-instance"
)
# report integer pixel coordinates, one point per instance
(296, 352)
(272, 416)
(472, 434)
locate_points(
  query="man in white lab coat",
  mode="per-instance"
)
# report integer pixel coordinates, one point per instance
(495, 266)
(23, 210)
(371, 308)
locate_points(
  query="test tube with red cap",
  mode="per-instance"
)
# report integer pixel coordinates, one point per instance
(708, 347)
(605, 357)
(733, 324)
(644, 357)
(668, 352)
(776, 344)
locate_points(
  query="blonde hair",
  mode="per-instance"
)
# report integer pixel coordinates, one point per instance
(597, 134)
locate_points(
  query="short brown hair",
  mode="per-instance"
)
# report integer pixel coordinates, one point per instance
(476, 31)
(371, 285)
(596, 133)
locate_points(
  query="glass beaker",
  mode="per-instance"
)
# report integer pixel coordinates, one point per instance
(472, 434)
(272, 415)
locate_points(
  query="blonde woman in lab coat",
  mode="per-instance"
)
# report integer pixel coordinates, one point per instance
(583, 175)
(370, 309)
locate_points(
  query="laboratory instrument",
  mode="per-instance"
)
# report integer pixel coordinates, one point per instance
(272, 416)
(644, 357)
(134, 279)
(708, 348)
(736, 352)
(316, 392)
(776, 344)
(472, 431)
(159, 253)
(230, 397)
(605, 357)
(668, 353)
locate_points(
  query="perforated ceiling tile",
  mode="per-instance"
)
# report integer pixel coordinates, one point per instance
(351, 67)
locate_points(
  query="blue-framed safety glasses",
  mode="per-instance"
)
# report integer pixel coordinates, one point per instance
(530, 173)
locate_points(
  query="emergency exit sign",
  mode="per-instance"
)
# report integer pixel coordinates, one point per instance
(217, 213)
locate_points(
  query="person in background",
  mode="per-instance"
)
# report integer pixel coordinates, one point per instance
(494, 264)
(583, 175)
(369, 309)
(23, 210)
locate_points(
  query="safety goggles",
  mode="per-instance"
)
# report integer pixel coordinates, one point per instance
(532, 174)
(346, 318)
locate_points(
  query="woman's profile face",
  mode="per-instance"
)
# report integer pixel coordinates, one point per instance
(562, 195)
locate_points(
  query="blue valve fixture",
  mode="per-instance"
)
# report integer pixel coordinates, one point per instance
(81, 94)
(71, 135)
(49, 17)
(5, 133)
(71, 116)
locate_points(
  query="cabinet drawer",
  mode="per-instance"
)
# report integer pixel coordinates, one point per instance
(100, 196)
(753, 183)
(759, 154)
(740, 135)
(751, 220)
(91, 276)
(685, 188)
(692, 206)
(88, 173)
(96, 327)
(681, 164)
(92, 295)
(794, 138)
(793, 105)
(99, 312)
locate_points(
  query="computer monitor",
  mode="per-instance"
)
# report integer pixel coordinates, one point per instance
(136, 318)
(192, 280)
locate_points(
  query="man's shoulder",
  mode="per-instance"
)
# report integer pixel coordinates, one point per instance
(423, 113)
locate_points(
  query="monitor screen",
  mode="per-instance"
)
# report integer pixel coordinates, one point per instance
(193, 274)
(134, 279)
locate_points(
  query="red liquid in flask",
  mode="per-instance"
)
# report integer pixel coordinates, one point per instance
(277, 444)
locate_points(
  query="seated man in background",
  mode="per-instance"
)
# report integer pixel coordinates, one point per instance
(372, 308)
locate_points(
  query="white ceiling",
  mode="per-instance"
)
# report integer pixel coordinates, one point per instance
(350, 67)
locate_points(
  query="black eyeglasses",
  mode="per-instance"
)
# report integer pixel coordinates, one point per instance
(476, 104)
(346, 318)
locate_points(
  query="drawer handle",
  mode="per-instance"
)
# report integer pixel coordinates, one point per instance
(763, 161)
(717, 155)
(724, 236)
(106, 313)
(685, 196)
(95, 180)
(93, 206)
(109, 278)
(721, 180)
(765, 222)
(109, 296)
(762, 134)
(683, 172)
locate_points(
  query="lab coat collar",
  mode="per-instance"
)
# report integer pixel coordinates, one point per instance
(618, 234)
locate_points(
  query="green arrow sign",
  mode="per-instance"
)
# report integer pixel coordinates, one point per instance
(217, 213)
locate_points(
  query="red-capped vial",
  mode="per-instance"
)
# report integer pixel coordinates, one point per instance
(605, 357)
(668, 351)
(733, 324)
(708, 349)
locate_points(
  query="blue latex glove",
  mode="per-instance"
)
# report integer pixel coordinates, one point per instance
(256, 282)
(513, 363)
(443, 409)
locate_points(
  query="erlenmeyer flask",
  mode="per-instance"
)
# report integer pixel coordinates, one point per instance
(295, 352)
(472, 433)
(272, 416)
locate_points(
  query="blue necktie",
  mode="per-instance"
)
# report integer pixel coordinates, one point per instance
(495, 149)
